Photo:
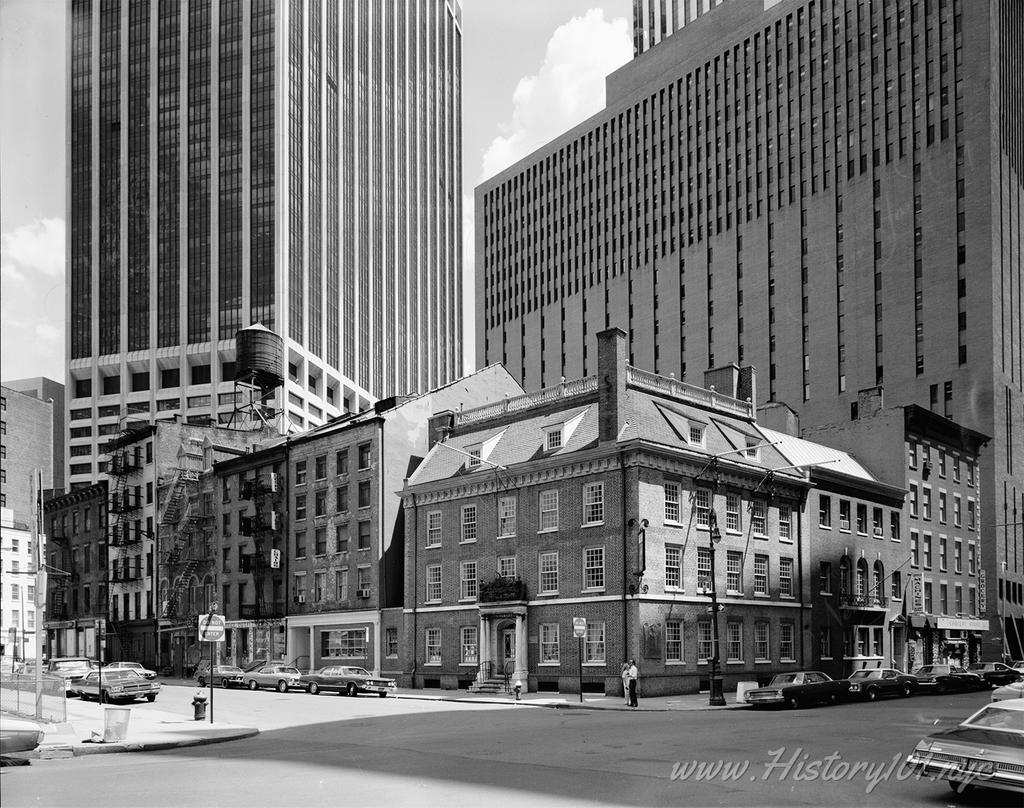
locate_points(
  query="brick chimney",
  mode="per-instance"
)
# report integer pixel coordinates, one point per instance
(438, 426)
(746, 387)
(725, 380)
(611, 382)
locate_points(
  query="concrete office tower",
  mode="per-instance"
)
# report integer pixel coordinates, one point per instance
(653, 20)
(230, 162)
(828, 191)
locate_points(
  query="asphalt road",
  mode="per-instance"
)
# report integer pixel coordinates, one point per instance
(334, 749)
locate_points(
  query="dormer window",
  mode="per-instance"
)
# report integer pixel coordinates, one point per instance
(752, 449)
(553, 439)
(474, 457)
(697, 434)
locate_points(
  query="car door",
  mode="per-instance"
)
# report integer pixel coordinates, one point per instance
(889, 682)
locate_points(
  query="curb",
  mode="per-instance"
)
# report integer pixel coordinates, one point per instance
(63, 750)
(570, 705)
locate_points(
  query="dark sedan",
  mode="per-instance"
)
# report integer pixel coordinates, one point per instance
(223, 675)
(948, 679)
(995, 673)
(117, 684)
(799, 689)
(876, 682)
(346, 679)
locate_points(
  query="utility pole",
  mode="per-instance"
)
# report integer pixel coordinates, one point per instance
(36, 533)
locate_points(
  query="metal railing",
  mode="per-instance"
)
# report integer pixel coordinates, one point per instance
(18, 697)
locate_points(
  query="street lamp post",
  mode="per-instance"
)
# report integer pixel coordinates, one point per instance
(715, 697)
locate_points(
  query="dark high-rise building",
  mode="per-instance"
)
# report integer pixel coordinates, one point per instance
(231, 162)
(828, 190)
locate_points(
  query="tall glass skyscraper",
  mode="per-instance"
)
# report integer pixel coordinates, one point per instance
(230, 162)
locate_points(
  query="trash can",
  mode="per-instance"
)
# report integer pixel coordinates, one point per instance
(115, 723)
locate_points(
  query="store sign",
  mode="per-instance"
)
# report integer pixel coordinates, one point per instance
(960, 624)
(917, 586)
(982, 592)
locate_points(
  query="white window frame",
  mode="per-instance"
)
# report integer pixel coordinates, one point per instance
(593, 569)
(593, 504)
(674, 642)
(785, 523)
(467, 580)
(595, 650)
(733, 640)
(733, 512)
(550, 650)
(704, 568)
(734, 572)
(784, 630)
(672, 504)
(474, 461)
(785, 578)
(759, 517)
(506, 517)
(702, 502)
(433, 582)
(705, 642)
(552, 570)
(548, 505)
(761, 575)
(695, 435)
(673, 566)
(468, 525)
(507, 566)
(845, 515)
(432, 646)
(469, 646)
(762, 641)
(434, 524)
(553, 438)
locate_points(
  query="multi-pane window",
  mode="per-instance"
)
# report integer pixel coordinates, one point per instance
(760, 574)
(942, 507)
(549, 510)
(785, 523)
(673, 566)
(914, 502)
(703, 568)
(320, 467)
(702, 506)
(434, 529)
(970, 515)
(364, 494)
(955, 461)
(696, 435)
(343, 644)
(364, 456)
(468, 523)
(474, 457)
(862, 519)
(825, 578)
(877, 528)
(734, 642)
(970, 472)
(762, 648)
(467, 581)
(553, 439)
(733, 520)
(300, 472)
(759, 517)
(391, 641)
(470, 645)
(433, 583)
(912, 454)
(593, 503)
(786, 577)
(705, 645)
(671, 502)
(926, 503)
(786, 631)
(593, 646)
(593, 568)
(734, 572)
(957, 511)
(300, 506)
(674, 641)
(507, 566)
(549, 651)
(433, 646)
(507, 516)
(844, 514)
(548, 573)
(824, 510)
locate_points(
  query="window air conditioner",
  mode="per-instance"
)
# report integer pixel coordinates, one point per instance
(362, 593)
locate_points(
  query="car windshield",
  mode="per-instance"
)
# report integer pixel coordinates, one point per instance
(865, 674)
(228, 669)
(996, 717)
(288, 670)
(358, 672)
(784, 679)
(120, 673)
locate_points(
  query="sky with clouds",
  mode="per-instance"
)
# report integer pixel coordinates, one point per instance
(531, 70)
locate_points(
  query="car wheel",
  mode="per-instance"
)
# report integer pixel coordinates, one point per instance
(253, 685)
(282, 686)
(314, 688)
(872, 694)
(906, 689)
(351, 689)
(151, 697)
(960, 788)
(225, 684)
(833, 699)
(793, 702)
(202, 681)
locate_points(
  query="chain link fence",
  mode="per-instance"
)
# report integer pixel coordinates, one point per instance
(18, 697)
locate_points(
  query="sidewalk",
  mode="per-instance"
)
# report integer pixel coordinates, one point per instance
(147, 730)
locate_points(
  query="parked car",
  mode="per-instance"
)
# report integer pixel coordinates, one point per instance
(223, 675)
(117, 684)
(985, 750)
(870, 684)
(799, 689)
(347, 679)
(19, 735)
(1018, 666)
(1011, 691)
(70, 669)
(995, 673)
(280, 677)
(146, 673)
(948, 679)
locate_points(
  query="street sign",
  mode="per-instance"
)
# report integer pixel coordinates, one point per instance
(211, 628)
(721, 608)
(579, 626)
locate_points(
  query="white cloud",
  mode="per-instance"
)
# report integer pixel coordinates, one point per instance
(568, 88)
(39, 245)
(32, 300)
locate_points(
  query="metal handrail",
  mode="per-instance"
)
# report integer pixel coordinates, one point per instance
(484, 671)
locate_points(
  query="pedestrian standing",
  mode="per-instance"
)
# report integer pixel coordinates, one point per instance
(625, 682)
(634, 676)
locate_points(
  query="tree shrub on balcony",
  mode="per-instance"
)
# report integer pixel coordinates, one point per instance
(501, 589)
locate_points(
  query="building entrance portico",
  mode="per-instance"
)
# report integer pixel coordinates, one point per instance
(503, 642)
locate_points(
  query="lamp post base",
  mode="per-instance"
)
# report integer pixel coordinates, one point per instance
(715, 698)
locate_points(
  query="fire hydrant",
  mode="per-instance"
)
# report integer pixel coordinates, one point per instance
(519, 690)
(199, 706)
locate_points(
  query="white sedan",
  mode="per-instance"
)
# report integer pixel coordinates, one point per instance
(145, 673)
(1014, 690)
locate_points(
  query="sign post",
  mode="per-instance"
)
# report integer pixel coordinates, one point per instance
(579, 628)
(211, 630)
